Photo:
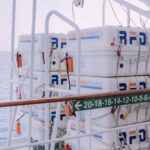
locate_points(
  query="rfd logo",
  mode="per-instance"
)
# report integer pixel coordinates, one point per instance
(56, 80)
(132, 86)
(55, 43)
(140, 39)
(53, 116)
(132, 137)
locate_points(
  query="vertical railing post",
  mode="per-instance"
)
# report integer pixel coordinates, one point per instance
(103, 12)
(10, 122)
(13, 114)
(128, 16)
(32, 68)
(47, 44)
(12, 54)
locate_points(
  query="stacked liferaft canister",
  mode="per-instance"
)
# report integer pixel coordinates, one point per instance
(57, 77)
(112, 59)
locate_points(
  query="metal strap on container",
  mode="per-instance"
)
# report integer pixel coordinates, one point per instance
(119, 50)
(148, 56)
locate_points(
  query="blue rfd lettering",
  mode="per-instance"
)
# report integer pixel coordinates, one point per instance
(123, 138)
(123, 37)
(131, 138)
(55, 80)
(132, 39)
(122, 86)
(142, 38)
(54, 42)
(53, 116)
(63, 44)
(63, 81)
(140, 136)
(142, 85)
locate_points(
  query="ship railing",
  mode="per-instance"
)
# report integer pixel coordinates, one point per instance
(94, 101)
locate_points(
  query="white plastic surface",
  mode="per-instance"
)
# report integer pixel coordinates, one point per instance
(58, 42)
(108, 64)
(38, 121)
(109, 38)
(108, 141)
(103, 118)
(58, 79)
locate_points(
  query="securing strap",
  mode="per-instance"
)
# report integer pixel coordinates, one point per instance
(19, 60)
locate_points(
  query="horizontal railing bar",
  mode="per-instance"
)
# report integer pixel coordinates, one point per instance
(68, 138)
(69, 98)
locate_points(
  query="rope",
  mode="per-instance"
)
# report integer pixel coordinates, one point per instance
(73, 14)
(130, 16)
(114, 13)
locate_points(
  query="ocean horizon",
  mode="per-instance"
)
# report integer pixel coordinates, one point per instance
(5, 94)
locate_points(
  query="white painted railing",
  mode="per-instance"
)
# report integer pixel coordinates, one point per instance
(47, 88)
(13, 70)
(26, 144)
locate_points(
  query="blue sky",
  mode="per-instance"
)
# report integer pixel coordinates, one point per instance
(89, 16)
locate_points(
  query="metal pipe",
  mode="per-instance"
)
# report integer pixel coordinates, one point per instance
(47, 45)
(55, 128)
(69, 98)
(11, 126)
(88, 121)
(99, 131)
(103, 12)
(78, 72)
(53, 12)
(10, 122)
(12, 52)
(31, 68)
(128, 17)
(134, 8)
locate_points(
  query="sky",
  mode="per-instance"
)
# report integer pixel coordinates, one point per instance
(89, 16)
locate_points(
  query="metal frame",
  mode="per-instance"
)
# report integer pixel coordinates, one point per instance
(47, 89)
(104, 13)
(60, 99)
(76, 137)
(13, 69)
(69, 98)
(134, 8)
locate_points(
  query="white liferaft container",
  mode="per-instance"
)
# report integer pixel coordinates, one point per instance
(108, 63)
(38, 125)
(58, 42)
(103, 118)
(57, 61)
(147, 55)
(57, 79)
(133, 138)
(96, 141)
(113, 51)
(93, 85)
(109, 38)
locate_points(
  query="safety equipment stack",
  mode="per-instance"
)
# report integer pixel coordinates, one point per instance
(112, 59)
(57, 78)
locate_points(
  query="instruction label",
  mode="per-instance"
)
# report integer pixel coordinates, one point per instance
(110, 101)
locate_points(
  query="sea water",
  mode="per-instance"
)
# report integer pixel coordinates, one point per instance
(4, 92)
(5, 95)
